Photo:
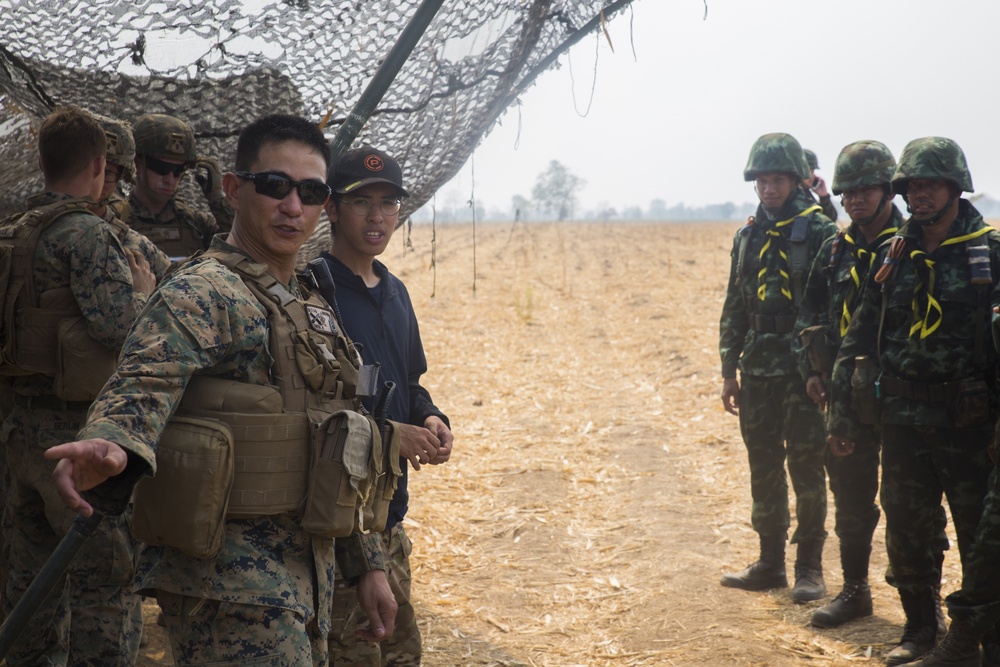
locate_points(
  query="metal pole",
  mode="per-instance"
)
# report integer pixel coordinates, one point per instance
(382, 79)
(50, 574)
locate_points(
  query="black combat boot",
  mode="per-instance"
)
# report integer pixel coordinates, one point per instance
(959, 648)
(809, 584)
(855, 600)
(920, 630)
(767, 572)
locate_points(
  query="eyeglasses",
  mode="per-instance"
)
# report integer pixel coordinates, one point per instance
(279, 186)
(163, 168)
(389, 206)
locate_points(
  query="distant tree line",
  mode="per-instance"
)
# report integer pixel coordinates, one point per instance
(554, 198)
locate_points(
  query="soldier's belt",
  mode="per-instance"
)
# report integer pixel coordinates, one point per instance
(928, 392)
(49, 403)
(778, 324)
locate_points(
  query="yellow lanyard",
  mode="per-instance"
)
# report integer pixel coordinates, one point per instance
(786, 289)
(861, 254)
(923, 324)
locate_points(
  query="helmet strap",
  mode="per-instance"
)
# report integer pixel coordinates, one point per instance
(864, 222)
(934, 218)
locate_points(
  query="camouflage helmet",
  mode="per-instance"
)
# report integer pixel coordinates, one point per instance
(811, 159)
(121, 146)
(776, 153)
(862, 164)
(164, 137)
(932, 157)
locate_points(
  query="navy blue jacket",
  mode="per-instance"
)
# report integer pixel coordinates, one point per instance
(381, 320)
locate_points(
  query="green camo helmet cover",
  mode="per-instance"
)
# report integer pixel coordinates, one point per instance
(164, 137)
(811, 159)
(121, 146)
(932, 157)
(776, 153)
(863, 164)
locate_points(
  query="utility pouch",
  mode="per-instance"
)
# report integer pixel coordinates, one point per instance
(865, 396)
(821, 351)
(376, 513)
(346, 462)
(971, 405)
(184, 505)
(83, 364)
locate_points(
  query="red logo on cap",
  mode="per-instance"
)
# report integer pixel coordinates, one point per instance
(374, 163)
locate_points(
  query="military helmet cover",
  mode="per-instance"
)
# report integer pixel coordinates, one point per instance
(164, 137)
(121, 146)
(811, 159)
(935, 158)
(863, 164)
(776, 153)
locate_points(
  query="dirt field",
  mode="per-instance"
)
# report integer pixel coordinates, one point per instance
(597, 489)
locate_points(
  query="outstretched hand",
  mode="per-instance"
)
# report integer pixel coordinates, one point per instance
(83, 465)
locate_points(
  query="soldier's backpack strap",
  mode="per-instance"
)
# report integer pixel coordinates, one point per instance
(743, 240)
(798, 253)
(18, 238)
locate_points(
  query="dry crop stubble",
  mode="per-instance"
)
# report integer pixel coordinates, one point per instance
(597, 489)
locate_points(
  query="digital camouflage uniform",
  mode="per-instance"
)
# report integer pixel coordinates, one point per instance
(93, 617)
(268, 593)
(932, 338)
(179, 230)
(159, 263)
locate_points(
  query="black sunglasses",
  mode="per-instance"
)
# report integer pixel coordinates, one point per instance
(278, 186)
(163, 168)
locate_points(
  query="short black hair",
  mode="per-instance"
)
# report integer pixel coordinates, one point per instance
(276, 128)
(68, 140)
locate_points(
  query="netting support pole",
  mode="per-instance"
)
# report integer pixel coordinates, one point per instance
(383, 78)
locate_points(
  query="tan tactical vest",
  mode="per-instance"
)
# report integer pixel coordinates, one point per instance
(295, 445)
(46, 332)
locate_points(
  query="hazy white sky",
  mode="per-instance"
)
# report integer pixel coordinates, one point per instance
(677, 121)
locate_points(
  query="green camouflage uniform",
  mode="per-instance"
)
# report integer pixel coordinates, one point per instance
(94, 617)
(924, 453)
(272, 582)
(830, 296)
(777, 419)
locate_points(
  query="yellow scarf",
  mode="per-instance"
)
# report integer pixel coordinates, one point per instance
(786, 289)
(861, 255)
(923, 324)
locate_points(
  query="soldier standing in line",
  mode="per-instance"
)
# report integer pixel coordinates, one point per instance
(916, 361)
(164, 151)
(862, 176)
(121, 167)
(817, 185)
(88, 291)
(364, 208)
(235, 326)
(770, 260)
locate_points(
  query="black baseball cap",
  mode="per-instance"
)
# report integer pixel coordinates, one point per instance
(363, 166)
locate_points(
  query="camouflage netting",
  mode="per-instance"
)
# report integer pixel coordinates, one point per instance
(220, 63)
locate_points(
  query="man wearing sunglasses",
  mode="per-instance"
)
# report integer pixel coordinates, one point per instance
(234, 317)
(165, 150)
(378, 315)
